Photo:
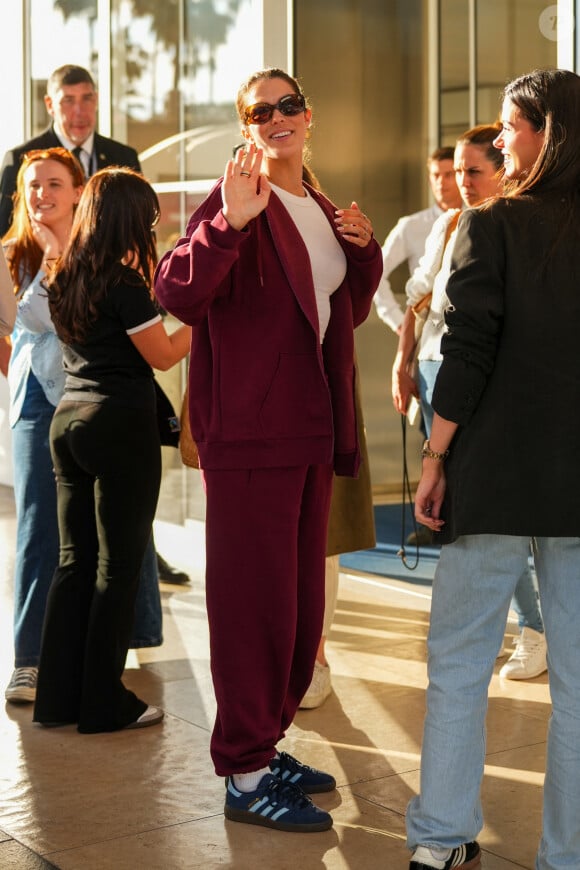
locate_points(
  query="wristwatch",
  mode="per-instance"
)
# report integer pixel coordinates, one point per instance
(427, 453)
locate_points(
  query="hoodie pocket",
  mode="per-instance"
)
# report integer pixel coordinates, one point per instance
(297, 403)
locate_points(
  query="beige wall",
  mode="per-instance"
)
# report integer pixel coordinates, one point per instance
(363, 67)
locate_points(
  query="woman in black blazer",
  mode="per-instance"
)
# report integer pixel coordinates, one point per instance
(501, 470)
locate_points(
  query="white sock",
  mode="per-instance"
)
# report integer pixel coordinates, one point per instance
(249, 781)
(439, 855)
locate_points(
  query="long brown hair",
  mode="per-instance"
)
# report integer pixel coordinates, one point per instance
(114, 219)
(25, 254)
(274, 73)
(550, 101)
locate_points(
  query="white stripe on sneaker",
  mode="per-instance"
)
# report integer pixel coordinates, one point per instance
(460, 856)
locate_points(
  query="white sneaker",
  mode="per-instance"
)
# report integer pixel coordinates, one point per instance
(464, 857)
(319, 689)
(529, 657)
(22, 686)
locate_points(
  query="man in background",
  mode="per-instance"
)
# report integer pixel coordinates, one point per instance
(71, 101)
(406, 241)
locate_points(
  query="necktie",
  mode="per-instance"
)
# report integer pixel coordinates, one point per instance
(78, 154)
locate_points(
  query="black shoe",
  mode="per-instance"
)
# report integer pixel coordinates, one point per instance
(311, 781)
(169, 574)
(463, 857)
(275, 804)
(151, 716)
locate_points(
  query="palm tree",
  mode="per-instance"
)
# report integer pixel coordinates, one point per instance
(205, 27)
(164, 15)
(76, 7)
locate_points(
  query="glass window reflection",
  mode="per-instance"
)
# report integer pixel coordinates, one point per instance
(454, 69)
(177, 66)
(512, 38)
(54, 24)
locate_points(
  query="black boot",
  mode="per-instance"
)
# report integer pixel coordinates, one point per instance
(169, 574)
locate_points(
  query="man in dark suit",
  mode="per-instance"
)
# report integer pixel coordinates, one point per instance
(71, 102)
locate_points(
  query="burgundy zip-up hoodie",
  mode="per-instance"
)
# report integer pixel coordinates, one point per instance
(263, 391)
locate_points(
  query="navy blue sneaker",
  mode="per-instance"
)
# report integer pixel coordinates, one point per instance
(464, 857)
(275, 804)
(312, 781)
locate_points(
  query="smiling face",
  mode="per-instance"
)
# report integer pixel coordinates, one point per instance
(477, 176)
(283, 136)
(49, 192)
(519, 141)
(74, 110)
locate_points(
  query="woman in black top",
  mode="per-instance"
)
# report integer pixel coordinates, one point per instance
(106, 452)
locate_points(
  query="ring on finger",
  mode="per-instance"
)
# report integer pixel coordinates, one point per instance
(245, 172)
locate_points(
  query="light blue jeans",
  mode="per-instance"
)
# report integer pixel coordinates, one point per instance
(525, 601)
(427, 370)
(36, 525)
(472, 589)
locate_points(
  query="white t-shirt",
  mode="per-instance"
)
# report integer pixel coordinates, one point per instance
(327, 259)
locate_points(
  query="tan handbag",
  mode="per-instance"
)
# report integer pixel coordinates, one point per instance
(187, 446)
(421, 309)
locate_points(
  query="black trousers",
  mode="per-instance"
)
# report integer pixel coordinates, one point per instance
(107, 461)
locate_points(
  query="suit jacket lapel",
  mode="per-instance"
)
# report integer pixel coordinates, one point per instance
(49, 139)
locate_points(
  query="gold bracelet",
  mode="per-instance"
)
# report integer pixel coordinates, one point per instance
(427, 453)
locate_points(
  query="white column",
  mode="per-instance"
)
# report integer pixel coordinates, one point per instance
(14, 76)
(277, 33)
(567, 38)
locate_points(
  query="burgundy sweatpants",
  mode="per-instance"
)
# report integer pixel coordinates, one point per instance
(266, 544)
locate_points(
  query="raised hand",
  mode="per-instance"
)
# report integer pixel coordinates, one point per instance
(245, 193)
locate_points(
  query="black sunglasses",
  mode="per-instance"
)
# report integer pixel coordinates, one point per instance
(260, 113)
